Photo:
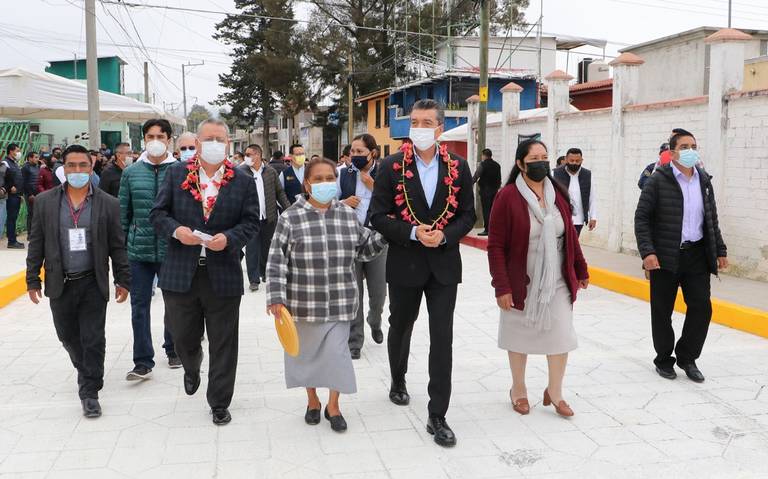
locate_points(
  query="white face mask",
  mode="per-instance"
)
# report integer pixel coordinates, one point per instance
(17, 156)
(213, 152)
(156, 148)
(423, 138)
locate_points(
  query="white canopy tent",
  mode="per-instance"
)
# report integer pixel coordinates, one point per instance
(26, 95)
(460, 132)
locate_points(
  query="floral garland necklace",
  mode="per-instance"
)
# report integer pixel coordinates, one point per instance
(403, 197)
(192, 184)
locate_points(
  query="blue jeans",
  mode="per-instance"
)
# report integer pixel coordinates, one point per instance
(3, 216)
(142, 276)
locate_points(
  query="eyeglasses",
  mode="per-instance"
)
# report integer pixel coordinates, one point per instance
(185, 148)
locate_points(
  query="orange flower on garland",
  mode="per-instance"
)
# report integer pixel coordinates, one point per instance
(403, 199)
(195, 188)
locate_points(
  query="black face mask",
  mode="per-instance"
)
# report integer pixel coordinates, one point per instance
(537, 170)
(359, 161)
(573, 168)
(57, 155)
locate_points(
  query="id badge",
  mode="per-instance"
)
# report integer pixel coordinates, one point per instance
(77, 241)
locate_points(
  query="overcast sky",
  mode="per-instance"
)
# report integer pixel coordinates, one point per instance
(37, 31)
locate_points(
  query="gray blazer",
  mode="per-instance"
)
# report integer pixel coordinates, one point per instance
(273, 190)
(106, 236)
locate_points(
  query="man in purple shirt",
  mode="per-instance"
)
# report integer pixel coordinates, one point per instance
(678, 237)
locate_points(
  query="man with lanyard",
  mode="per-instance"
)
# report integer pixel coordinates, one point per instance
(270, 193)
(678, 237)
(578, 181)
(292, 178)
(75, 233)
(355, 187)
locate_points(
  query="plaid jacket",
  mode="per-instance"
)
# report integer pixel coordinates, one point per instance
(311, 265)
(236, 214)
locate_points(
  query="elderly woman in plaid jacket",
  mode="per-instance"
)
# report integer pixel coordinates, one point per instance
(311, 271)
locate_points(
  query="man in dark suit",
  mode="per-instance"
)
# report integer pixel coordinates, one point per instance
(270, 192)
(423, 205)
(578, 181)
(488, 179)
(207, 212)
(75, 232)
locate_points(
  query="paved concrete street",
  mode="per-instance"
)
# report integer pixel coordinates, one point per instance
(629, 423)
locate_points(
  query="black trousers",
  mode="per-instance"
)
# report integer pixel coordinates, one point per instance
(12, 207)
(486, 201)
(257, 251)
(404, 303)
(190, 314)
(30, 212)
(578, 229)
(693, 278)
(79, 315)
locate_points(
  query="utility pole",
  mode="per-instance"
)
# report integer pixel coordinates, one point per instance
(146, 82)
(448, 34)
(539, 77)
(729, 12)
(483, 93)
(92, 74)
(184, 87)
(350, 112)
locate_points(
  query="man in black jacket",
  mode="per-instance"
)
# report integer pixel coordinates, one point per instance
(488, 179)
(112, 174)
(30, 173)
(417, 207)
(14, 186)
(678, 236)
(75, 233)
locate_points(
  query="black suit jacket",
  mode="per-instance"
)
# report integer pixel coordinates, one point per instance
(488, 176)
(409, 263)
(106, 236)
(273, 191)
(236, 214)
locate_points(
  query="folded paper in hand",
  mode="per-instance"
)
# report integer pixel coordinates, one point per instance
(203, 236)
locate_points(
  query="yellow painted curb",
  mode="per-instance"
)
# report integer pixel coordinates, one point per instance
(12, 287)
(729, 314)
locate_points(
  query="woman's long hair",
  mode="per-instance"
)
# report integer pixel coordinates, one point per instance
(522, 151)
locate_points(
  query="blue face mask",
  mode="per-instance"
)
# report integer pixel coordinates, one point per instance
(689, 158)
(78, 180)
(185, 155)
(324, 192)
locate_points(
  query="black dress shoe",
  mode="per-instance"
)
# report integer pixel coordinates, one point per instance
(444, 436)
(221, 416)
(355, 353)
(191, 382)
(378, 336)
(312, 416)
(692, 372)
(399, 395)
(91, 407)
(482, 233)
(338, 423)
(666, 372)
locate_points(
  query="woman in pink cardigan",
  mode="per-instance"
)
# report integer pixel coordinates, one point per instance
(537, 267)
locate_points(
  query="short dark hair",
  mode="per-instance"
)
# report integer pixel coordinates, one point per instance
(165, 126)
(277, 155)
(318, 161)
(56, 148)
(256, 147)
(313, 157)
(429, 104)
(31, 154)
(487, 152)
(560, 160)
(574, 151)
(678, 136)
(664, 147)
(346, 150)
(93, 152)
(294, 146)
(677, 131)
(74, 149)
(12, 147)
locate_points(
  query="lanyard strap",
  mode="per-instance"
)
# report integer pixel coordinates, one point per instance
(76, 216)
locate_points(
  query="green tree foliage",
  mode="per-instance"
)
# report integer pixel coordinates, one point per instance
(196, 115)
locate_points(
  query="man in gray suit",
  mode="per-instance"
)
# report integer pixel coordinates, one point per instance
(270, 194)
(75, 232)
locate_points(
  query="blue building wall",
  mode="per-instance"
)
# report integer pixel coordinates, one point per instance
(461, 90)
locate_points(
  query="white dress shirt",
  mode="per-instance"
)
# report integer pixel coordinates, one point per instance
(210, 190)
(260, 189)
(574, 190)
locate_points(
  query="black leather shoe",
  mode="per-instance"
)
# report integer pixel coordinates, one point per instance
(666, 372)
(221, 416)
(378, 336)
(191, 382)
(692, 372)
(444, 436)
(399, 395)
(483, 233)
(91, 407)
(355, 353)
(338, 423)
(312, 416)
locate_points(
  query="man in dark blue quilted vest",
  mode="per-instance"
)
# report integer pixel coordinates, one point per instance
(292, 178)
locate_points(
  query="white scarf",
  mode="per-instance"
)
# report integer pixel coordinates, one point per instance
(537, 311)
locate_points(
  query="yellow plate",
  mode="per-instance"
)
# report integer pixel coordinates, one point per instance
(286, 332)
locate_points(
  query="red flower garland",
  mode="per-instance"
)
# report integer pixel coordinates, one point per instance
(195, 188)
(402, 198)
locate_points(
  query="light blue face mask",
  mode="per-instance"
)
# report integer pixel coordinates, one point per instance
(325, 192)
(186, 155)
(689, 158)
(78, 180)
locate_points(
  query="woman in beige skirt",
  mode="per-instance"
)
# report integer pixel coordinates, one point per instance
(537, 267)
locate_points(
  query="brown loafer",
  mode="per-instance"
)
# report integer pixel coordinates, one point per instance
(562, 408)
(521, 406)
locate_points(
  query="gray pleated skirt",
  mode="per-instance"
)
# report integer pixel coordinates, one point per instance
(324, 360)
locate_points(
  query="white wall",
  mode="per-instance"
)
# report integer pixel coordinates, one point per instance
(672, 71)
